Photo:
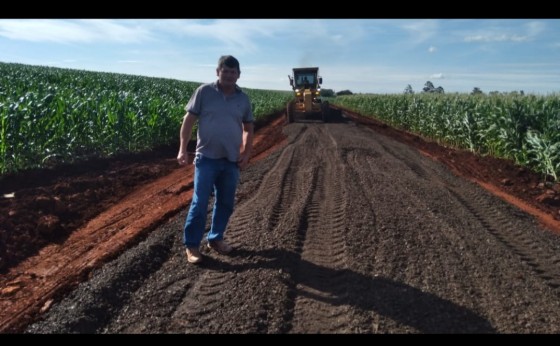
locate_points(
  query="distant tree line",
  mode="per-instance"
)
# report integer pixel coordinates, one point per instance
(429, 88)
(331, 93)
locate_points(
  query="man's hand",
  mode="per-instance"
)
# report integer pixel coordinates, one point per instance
(243, 161)
(183, 158)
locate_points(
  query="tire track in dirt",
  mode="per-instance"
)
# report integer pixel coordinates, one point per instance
(291, 200)
(318, 305)
(394, 236)
(542, 259)
(204, 297)
(345, 230)
(466, 252)
(275, 194)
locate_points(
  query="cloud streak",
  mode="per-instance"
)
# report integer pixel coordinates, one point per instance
(528, 32)
(73, 31)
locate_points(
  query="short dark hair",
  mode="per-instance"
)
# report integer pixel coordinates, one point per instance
(229, 61)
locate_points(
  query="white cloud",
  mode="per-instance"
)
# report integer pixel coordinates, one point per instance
(437, 76)
(421, 30)
(432, 49)
(534, 28)
(526, 32)
(243, 34)
(495, 37)
(231, 33)
(72, 31)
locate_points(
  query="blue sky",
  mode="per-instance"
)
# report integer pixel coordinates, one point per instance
(362, 55)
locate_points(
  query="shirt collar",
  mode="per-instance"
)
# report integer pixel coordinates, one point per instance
(215, 86)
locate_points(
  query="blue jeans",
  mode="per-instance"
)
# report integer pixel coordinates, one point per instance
(222, 176)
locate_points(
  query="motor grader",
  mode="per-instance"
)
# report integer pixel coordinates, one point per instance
(307, 103)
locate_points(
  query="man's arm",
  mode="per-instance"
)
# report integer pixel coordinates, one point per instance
(185, 136)
(247, 147)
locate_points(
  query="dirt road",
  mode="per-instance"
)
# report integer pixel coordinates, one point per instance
(341, 230)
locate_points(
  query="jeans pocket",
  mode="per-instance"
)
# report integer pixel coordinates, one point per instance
(197, 159)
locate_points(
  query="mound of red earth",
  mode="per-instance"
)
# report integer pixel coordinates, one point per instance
(40, 207)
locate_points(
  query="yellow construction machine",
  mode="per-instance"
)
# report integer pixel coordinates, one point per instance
(307, 104)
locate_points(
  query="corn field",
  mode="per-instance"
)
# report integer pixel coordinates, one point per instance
(522, 128)
(52, 115)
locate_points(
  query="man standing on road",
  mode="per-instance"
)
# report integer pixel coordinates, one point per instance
(223, 147)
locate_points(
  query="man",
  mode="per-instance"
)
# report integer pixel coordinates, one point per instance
(223, 147)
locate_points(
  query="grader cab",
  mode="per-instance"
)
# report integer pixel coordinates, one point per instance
(307, 103)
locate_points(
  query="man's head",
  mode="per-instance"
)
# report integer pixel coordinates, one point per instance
(229, 61)
(228, 70)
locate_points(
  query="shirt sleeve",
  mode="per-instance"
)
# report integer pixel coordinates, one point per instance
(248, 116)
(194, 105)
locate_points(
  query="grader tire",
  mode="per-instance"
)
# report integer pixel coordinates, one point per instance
(290, 112)
(325, 110)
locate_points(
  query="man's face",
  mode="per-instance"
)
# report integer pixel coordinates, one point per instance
(227, 75)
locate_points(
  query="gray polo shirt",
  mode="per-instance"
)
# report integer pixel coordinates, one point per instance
(220, 120)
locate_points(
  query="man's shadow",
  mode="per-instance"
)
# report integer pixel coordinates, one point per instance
(404, 304)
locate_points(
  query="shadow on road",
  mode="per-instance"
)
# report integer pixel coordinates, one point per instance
(405, 304)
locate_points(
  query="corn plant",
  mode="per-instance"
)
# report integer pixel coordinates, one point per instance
(525, 129)
(52, 115)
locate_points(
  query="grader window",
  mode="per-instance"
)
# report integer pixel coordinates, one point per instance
(306, 79)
